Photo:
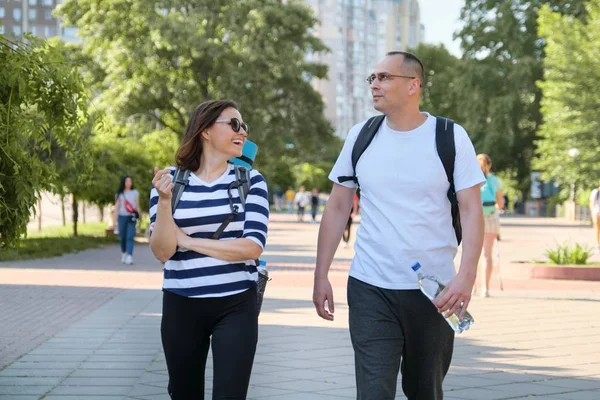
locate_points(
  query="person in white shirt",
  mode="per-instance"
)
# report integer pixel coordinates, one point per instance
(406, 217)
(301, 200)
(595, 210)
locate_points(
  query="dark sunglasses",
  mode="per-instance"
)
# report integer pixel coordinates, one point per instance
(235, 123)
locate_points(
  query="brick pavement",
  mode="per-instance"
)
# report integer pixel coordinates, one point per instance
(525, 344)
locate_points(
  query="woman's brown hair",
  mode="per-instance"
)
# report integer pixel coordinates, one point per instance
(203, 117)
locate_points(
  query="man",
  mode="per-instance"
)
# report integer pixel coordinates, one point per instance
(595, 211)
(406, 217)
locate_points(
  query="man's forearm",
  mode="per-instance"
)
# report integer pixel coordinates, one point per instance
(330, 234)
(473, 229)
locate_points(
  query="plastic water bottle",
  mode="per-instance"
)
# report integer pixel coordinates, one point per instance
(431, 286)
(263, 278)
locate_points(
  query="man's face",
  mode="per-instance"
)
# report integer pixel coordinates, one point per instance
(392, 92)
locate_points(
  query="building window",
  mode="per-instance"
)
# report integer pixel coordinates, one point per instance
(47, 14)
(32, 14)
(1, 12)
(17, 30)
(34, 31)
(33, 2)
(47, 3)
(17, 14)
(48, 31)
(1, 29)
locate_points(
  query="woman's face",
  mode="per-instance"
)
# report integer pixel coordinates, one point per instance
(223, 138)
(128, 183)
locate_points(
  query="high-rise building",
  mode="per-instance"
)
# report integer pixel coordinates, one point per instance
(35, 16)
(359, 33)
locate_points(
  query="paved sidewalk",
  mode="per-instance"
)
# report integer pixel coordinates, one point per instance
(95, 329)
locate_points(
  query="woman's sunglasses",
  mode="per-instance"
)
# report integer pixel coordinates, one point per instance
(236, 124)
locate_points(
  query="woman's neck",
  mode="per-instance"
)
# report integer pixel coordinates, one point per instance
(211, 167)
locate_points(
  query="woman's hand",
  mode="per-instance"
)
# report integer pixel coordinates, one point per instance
(163, 183)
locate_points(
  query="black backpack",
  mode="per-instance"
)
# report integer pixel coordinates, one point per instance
(242, 184)
(444, 141)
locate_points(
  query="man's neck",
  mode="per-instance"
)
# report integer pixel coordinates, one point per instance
(405, 119)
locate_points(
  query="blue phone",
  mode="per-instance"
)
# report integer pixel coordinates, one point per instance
(248, 155)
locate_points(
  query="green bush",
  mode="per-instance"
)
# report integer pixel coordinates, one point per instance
(565, 254)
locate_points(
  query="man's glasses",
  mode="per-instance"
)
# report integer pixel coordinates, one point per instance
(383, 77)
(236, 124)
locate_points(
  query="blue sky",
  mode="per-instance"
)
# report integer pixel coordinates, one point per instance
(440, 18)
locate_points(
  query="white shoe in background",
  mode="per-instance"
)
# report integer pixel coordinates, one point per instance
(123, 258)
(128, 260)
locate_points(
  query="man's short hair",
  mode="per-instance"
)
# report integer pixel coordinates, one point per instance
(412, 62)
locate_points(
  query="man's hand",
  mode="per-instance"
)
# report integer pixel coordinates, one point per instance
(457, 293)
(323, 292)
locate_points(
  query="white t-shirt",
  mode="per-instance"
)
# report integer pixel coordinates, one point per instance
(405, 214)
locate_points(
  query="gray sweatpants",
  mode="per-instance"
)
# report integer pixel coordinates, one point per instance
(394, 330)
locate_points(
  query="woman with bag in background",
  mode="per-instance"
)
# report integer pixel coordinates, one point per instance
(125, 217)
(210, 272)
(492, 200)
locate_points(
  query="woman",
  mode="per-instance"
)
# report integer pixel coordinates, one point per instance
(493, 201)
(209, 287)
(126, 214)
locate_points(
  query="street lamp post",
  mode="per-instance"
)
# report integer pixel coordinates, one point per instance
(573, 153)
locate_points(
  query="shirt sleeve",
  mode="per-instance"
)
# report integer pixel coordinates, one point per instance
(343, 165)
(467, 172)
(154, 204)
(497, 183)
(257, 210)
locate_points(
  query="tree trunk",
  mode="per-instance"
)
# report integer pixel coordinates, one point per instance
(101, 212)
(39, 212)
(83, 212)
(62, 206)
(75, 214)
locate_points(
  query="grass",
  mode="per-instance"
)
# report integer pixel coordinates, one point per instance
(58, 240)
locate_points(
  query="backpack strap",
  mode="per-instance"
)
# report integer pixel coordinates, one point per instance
(446, 149)
(180, 181)
(364, 139)
(242, 183)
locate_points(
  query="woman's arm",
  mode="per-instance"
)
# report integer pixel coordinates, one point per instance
(226, 250)
(116, 212)
(163, 236)
(500, 200)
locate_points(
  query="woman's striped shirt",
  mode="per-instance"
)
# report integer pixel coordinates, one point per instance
(200, 212)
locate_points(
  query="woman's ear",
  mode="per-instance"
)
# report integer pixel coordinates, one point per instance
(205, 134)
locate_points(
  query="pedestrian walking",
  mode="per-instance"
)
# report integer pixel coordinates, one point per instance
(595, 212)
(125, 217)
(415, 171)
(209, 242)
(301, 200)
(492, 199)
(314, 203)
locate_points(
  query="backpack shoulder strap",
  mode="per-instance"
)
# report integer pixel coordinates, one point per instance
(242, 175)
(446, 149)
(364, 139)
(180, 181)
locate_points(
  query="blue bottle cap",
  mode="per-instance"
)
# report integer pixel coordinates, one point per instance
(262, 263)
(416, 267)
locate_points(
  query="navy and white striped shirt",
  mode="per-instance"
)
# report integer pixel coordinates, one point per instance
(200, 212)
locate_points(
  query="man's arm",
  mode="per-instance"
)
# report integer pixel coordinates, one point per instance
(458, 291)
(332, 226)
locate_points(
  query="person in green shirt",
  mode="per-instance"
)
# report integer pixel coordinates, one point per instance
(492, 200)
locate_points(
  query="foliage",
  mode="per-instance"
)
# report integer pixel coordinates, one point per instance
(41, 106)
(56, 241)
(571, 101)
(569, 255)
(153, 64)
(500, 95)
(310, 176)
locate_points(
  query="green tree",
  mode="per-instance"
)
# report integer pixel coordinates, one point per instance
(441, 94)
(570, 103)
(500, 91)
(41, 106)
(157, 62)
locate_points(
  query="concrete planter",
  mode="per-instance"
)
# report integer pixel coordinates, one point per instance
(524, 270)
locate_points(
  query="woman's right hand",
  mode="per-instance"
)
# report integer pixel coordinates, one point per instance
(163, 183)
